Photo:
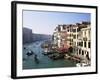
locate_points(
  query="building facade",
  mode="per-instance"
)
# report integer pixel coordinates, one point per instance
(70, 35)
(60, 36)
(77, 36)
(84, 44)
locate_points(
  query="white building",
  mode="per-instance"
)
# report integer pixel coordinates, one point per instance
(77, 36)
(70, 35)
(60, 36)
(84, 43)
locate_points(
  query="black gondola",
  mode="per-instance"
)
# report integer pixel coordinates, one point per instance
(36, 59)
(29, 53)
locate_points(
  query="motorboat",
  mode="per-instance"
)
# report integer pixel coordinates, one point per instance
(82, 64)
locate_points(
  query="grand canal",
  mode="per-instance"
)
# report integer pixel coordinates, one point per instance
(43, 60)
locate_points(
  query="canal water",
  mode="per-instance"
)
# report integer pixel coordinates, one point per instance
(44, 61)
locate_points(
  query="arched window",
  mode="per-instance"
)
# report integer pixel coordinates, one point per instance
(89, 44)
(84, 43)
(82, 52)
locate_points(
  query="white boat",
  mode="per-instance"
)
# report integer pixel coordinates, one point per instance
(82, 64)
(46, 50)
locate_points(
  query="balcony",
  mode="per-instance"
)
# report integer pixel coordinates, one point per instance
(85, 38)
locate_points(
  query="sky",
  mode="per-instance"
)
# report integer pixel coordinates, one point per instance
(43, 22)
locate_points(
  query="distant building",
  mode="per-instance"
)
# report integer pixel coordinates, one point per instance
(41, 37)
(27, 35)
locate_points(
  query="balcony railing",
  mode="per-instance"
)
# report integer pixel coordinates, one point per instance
(85, 38)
